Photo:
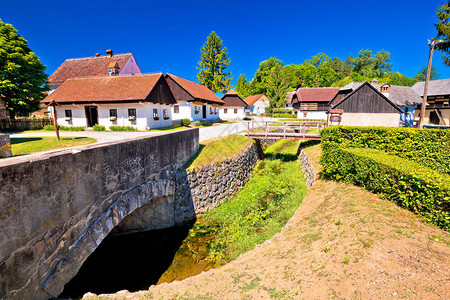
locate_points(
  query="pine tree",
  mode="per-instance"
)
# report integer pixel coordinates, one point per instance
(242, 86)
(22, 78)
(276, 86)
(212, 65)
(443, 31)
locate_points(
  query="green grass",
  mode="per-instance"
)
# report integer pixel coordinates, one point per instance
(260, 210)
(27, 145)
(283, 149)
(169, 128)
(218, 149)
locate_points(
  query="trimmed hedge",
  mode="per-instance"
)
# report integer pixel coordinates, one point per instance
(428, 147)
(282, 110)
(408, 184)
(284, 116)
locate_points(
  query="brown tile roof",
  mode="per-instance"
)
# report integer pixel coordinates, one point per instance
(250, 100)
(105, 89)
(89, 66)
(318, 94)
(197, 91)
(231, 98)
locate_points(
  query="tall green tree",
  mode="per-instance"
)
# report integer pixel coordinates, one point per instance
(259, 82)
(242, 86)
(22, 76)
(276, 86)
(422, 75)
(212, 65)
(443, 31)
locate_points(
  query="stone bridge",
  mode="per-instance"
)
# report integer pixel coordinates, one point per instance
(56, 208)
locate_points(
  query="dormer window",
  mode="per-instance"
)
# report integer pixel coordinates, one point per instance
(385, 88)
(113, 68)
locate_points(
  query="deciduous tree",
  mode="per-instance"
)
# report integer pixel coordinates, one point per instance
(443, 31)
(212, 65)
(22, 77)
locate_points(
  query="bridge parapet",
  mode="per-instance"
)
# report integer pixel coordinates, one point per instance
(50, 203)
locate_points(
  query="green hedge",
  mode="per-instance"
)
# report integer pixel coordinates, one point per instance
(429, 147)
(122, 128)
(409, 184)
(284, 116)
(282, 110)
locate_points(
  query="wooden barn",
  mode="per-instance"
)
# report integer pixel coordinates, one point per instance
(367, 106)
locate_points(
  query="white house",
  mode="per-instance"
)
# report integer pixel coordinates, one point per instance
(257, 104)
(234, 107)
(194, 101)
(110, 64)
(141, 101)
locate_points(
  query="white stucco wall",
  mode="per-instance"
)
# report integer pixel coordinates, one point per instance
(187, 111)
(364, 119)
(259, 107)
(230, 113)
(144, 115)
(315, 115)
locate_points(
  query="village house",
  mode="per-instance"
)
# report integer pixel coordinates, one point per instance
(289, 98)
(313, 103)
(110, 64)
(438, 101)
(257, 104)
(403, 97)
(194, 101)
(368, 106)
(234, 107)
(141, 101)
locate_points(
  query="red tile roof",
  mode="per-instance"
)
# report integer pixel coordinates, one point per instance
(105, 89)
(89, 66)
(197, 91)
(319, 94)
(250, 100)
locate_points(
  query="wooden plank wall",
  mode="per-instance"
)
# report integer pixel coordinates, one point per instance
(366, 100)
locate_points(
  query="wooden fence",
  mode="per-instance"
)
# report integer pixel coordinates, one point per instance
(7, 125)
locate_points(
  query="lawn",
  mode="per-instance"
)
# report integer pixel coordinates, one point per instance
(27, 145)
(218, 149)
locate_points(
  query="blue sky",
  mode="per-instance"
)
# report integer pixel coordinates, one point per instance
(166, 36)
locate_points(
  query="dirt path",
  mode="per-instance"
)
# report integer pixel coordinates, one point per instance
(343, 242)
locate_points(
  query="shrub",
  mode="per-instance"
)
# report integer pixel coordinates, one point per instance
(64, 128)
(247, 119)
(185, 122)
(122, 128)
(284, 116)
(268, 111)
(411, 185)
(282, 110)
(99, 127)
(49, 127)
(428, 147)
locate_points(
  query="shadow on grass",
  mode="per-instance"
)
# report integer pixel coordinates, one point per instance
(191, 160)
(15, 141)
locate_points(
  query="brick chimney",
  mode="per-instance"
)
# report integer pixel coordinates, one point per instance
(97, 54)
(374, 81)
(109, 53)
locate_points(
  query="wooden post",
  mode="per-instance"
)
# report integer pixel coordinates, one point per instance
(267, 128)
(427, 79)
(53, 105)
(284, 129)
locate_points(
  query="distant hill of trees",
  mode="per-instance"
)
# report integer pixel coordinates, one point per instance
(323, 71)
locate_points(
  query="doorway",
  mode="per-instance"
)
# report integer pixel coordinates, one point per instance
(91, 115)
(204, 111)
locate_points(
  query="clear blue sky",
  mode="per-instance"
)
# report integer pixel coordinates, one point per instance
(167, 36)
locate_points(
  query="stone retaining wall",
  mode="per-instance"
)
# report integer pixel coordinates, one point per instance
(5, 146)
(208, 186)
(308, 170)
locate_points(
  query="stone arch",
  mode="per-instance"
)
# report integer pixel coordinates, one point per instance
(68, 266)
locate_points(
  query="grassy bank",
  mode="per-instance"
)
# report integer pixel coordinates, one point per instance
(218, 149)
(28, 145)
(255, 214)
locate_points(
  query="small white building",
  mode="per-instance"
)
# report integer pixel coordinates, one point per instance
(234, 107)
(141, 101)
(257, 104)
(194, 101)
